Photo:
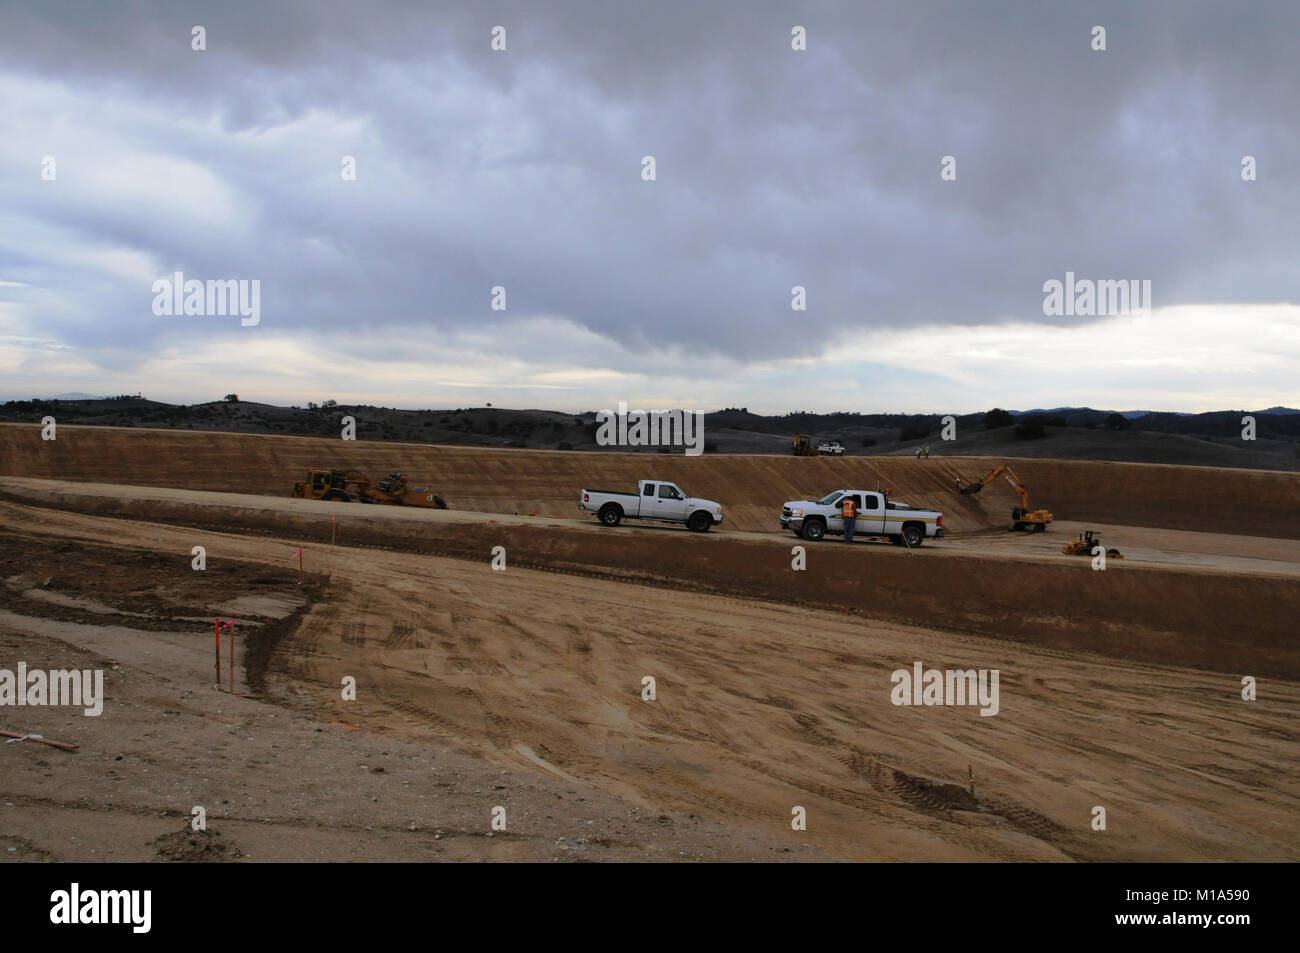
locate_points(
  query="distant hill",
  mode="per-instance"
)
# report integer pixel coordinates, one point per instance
(1082, 433)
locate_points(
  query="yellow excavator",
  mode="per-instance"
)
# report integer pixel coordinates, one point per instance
(803, 446)
(353, 486)
(1022, 517)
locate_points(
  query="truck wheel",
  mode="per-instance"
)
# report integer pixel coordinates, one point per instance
(699, 522)
(337, 496)
(914, 535)
(814, 530)
(610, 514)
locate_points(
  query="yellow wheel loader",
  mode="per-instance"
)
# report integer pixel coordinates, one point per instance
(353, 486)
(1083, 546)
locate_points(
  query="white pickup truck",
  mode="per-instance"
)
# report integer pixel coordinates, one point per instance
(832, 449)
(654, 500)
(877, 516)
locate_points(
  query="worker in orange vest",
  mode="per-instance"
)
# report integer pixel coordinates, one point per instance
(850, 511)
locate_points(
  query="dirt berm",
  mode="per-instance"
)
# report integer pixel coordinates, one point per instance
(1211, 620)
(751, 488)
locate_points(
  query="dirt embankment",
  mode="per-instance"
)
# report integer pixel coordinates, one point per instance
(750, 488)
(1210, 620)
(523, 689)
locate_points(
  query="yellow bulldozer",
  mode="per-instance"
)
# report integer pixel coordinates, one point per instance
(1084, 545)
(353, 486)
(1022, 517)
(803, 446)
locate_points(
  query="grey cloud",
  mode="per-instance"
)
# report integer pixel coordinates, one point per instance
(775, 168)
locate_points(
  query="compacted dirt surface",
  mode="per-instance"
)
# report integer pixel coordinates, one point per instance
(279, 777)
(528, 689)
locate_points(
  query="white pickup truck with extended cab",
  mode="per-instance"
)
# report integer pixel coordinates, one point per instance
(654, 500)
(877, 516)
(832, 449)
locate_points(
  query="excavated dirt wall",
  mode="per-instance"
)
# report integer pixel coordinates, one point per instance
(751, 488)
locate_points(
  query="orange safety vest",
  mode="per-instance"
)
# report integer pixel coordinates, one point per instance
(850, 511)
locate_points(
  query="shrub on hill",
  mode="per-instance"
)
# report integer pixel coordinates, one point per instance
(997, 417)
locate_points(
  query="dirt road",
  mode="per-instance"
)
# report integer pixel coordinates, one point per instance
(1217, 620)
(1176, 548)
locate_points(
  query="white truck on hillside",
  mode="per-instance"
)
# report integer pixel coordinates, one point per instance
(832, 449)
(877, 516)
(654, 500)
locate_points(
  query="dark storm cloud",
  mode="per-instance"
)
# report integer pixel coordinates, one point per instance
(775, 168)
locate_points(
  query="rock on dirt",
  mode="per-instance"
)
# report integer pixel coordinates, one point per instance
(191, 846)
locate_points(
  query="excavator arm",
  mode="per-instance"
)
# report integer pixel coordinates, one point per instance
(982, 482)
(1022, 515)
(986, 479)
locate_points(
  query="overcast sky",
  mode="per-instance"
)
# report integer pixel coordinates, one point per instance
(774, 168)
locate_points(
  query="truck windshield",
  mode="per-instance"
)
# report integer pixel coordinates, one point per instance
(830, 498)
